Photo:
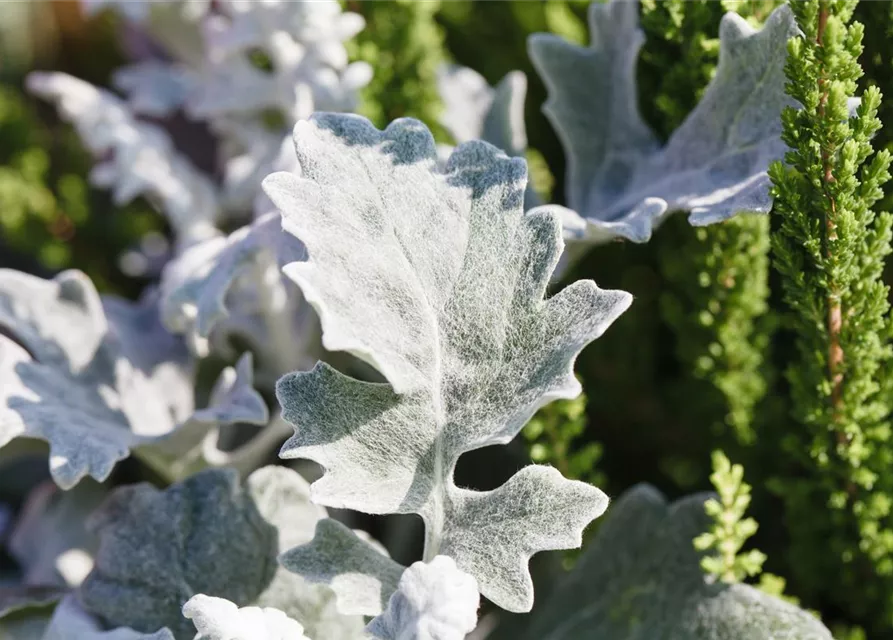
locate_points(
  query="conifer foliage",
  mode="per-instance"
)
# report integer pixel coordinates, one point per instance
(829, 250)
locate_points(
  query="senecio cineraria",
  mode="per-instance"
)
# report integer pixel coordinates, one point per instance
(387, 303)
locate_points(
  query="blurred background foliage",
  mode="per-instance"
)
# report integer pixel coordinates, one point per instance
(691, 368)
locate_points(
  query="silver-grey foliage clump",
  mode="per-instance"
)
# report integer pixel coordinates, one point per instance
(620, 181)
(432, 270)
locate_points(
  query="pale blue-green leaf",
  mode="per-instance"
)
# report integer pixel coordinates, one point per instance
(220, 619)
(96, 379)
(436, 278)
(714, 165)
(360, 574)
(232, 288)
(434, 601)
(137, 158)
(193, 445)
(641, 579)
(207, 535)
(153, 88)
(49, 541)
(71, 622)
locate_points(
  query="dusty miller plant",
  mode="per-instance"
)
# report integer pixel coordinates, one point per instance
(431, 267)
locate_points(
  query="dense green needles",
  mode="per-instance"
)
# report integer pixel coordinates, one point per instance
(829, 250)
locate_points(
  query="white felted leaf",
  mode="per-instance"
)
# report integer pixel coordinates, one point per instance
(714, 165)
(437, 279)
(49, 541)
(362, 577)
(473, 110)
(96, 385)
(71, 622)
(640, 578)
(220, 619)
(232, 287)
(137, 158)
(210, 535)
(304, 41)
(434, 601)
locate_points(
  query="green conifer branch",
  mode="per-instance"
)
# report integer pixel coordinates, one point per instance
(829, 249)
(730, 530)
(724, 541)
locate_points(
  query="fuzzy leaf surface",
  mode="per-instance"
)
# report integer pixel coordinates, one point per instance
(434, 601)
(619, 181)
(436, 278)
(362, 577)
(220, 619)
(640, 579)
(98, 378)
(208, 535)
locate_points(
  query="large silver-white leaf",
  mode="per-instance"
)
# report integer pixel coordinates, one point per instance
(220, 619)
(137, 158)
(209, 535)
(641, 579)
(97, 380)
(436, 278)
(619, 182)
(434, 601)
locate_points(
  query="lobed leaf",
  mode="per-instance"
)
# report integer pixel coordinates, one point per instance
(619, 182)
(640, 578)
(97, 379)
(436, 278)
(138, 158)
(361, 575)
(208, 535)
